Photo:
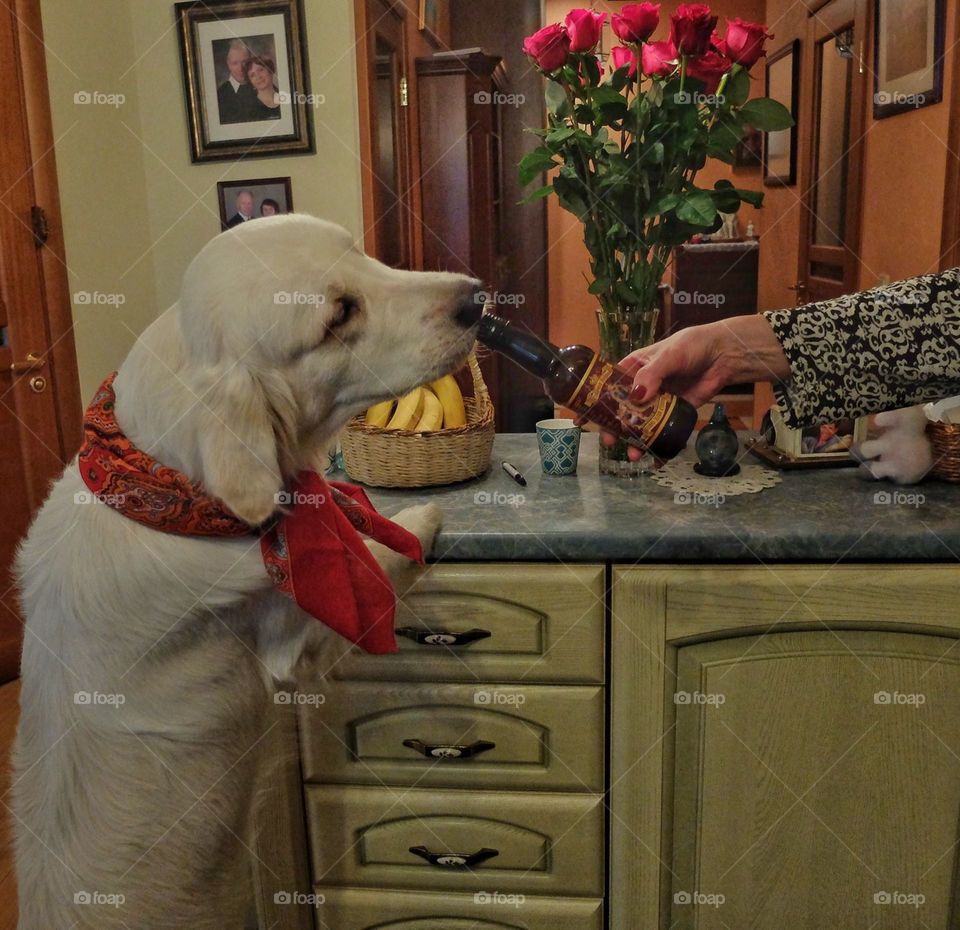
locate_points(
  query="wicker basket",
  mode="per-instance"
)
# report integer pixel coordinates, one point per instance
(945, 439)
(404, 459)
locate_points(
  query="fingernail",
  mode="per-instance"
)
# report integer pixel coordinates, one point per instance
(638, 392)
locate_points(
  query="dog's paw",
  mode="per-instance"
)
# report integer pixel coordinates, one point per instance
(424, 521)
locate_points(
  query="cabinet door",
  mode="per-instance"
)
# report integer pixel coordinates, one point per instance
(788, 738)
(816, 781)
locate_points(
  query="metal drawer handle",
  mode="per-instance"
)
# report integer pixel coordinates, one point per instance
(454, 860)
(442, 637)
(448, 751)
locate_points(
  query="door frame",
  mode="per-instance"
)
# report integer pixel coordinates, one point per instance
(950, 230)
(860, 12)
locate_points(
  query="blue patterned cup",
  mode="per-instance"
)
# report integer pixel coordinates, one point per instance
(559, 442)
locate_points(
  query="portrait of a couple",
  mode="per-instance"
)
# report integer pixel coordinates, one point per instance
(249, 92)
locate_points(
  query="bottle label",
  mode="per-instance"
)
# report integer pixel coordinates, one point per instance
(603, 397)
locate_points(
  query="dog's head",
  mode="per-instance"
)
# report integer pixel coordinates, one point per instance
(289, 330)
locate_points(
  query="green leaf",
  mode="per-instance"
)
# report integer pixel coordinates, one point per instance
(559, 135)
(556, 98)
(592, 68)
(754, 198)
(538, 194)
(598, 286)
(697, 209)
(766, 115)
(738, 88)
(533, 164)
(662, 205)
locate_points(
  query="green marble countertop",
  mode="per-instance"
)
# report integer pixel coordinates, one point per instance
(827, 515)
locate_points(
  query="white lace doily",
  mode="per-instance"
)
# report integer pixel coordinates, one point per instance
(751, 479)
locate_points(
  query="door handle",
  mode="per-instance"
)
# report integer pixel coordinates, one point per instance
(32, 362)
(455, 860)
(442, 637)
(449, 750)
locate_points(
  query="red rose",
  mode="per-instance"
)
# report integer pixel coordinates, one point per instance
(636, 22)
(583, 27)
(743, 42)
(691, 27)
(621, 56)
(709, 68)
(548, 47)
(658, 59)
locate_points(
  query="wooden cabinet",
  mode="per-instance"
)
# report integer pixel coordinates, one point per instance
(784, 747)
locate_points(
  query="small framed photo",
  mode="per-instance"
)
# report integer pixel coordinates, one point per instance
(813, 447)
(430, 19)
(908, 51)
(245, 78)
(242, 201)
(780, 148)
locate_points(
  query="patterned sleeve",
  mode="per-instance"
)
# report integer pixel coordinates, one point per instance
(891, 347)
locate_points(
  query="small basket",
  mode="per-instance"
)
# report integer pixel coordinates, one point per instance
(390, 458)
(945, 440)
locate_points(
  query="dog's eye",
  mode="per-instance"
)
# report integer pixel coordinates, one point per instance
(345, 309)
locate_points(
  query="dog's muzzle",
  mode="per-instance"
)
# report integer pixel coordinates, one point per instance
(470, 308)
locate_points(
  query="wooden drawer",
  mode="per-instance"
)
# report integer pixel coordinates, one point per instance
(545, 623)
(546, 843)
(547, 737)
(361, 909)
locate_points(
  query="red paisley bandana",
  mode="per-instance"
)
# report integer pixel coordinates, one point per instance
(313, 553)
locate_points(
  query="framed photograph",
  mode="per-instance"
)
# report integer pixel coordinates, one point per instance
(245, 78)
(908, 51)
(813, 447)
(748, 151)
(430, 19)
(242, 201)
(780, 148)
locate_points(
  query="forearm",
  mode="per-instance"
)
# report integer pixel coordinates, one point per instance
(748, 350)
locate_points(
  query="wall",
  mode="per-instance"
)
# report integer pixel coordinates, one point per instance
(572, 309)
(135, 209)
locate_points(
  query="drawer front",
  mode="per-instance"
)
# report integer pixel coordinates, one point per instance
(547, 737)
(545, 844)
(360, 909)
(544, 623)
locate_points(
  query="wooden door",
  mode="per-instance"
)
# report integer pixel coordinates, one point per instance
(834, 113)
(39, 395)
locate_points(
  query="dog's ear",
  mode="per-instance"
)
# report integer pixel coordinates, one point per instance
(238, 446)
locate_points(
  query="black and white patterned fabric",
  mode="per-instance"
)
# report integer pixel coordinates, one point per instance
(890, 347)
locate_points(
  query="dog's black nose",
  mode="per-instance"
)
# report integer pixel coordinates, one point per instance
(470, 308)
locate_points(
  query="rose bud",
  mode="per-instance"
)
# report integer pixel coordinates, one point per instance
(709, 68)
(548, 47)
(621, 56)
(743, 42)
(691, 27)
(636, 22)
(658, 59)
(584, 27)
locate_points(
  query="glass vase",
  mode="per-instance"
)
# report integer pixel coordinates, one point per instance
(624, 330)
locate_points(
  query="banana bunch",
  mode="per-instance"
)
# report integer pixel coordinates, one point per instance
(433, 406)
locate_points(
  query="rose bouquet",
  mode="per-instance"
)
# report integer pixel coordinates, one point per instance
(629, 136)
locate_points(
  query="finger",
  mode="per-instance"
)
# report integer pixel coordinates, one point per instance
(608, 439)
(646, 382)
(634, 361)
(635, 454)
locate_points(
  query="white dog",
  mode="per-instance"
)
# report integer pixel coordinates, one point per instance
(149, 658)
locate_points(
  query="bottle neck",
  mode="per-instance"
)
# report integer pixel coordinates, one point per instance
(530, 352)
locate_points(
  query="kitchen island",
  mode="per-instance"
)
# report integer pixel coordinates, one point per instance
(616, 709)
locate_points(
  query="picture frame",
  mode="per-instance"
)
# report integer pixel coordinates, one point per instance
(823, 446)
(245, 78)
(908, 55)
(429, 20)
(274, 193)
(782, 83)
